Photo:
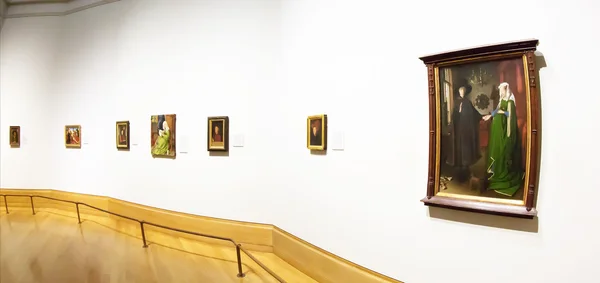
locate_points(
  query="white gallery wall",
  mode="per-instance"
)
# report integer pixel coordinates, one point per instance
(267, 64)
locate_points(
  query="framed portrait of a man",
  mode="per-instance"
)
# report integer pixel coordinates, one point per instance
(15, 136)
(122, 134)
(484, 124)
(316, 132)
(218, 133)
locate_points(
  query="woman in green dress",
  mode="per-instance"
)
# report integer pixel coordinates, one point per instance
(162, 144)
(504, 152)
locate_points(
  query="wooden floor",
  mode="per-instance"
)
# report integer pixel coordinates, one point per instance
(52, 247)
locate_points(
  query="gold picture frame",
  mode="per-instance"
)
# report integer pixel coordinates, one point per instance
(122, 134)
(15, 136)
(72, 136)
(163, 135)
(218, 133)
(316, 132)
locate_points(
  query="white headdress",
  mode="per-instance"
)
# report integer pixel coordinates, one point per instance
(508, 94)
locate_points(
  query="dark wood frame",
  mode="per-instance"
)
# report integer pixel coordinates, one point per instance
(18, 144)
(122, 147)
(225, 132)
(323, 118)
(526, 49)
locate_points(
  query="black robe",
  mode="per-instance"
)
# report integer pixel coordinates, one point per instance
(315, 139)
(464, 149)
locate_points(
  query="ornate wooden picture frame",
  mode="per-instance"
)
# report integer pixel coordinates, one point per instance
(483, 129)
(122, 135)
(218, 133)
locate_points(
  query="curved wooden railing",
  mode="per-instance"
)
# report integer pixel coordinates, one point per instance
(238, 247)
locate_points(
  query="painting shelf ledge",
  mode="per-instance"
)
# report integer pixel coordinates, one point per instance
(480, 206)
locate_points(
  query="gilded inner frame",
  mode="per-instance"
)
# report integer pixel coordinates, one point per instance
(122, 134)
(316, 132)
(15, 136)
(72, 135)
(438, 154)
(218, 133)
(163, 135)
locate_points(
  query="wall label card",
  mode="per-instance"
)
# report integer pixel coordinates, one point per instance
(238, 140)
(337, 141)
(184, 144)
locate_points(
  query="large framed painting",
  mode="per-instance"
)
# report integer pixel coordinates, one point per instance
(122, 134)
(162, 135)
(484, 115)
(15, 136)
(218, 133)
(316, 132)
(73, 136)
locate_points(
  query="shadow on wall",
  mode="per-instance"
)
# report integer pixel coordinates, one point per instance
(540, 62)
(219, 153)
(496, 221)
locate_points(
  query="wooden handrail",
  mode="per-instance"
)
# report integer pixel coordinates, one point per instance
(238, 247)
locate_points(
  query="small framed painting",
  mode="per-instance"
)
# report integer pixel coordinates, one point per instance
(218, 133)
(162, 135)
(122, 129)
(73, 136)
(316, 132)
(15, 136)
(483, 129)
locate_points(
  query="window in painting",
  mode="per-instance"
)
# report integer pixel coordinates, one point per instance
(448, 95)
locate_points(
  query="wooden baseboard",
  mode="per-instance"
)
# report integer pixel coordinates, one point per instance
(315, 262)
(320, 264)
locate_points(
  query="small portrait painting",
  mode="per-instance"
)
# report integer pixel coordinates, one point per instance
(162, 132)
(122, 128)
(317, 132)
(73, 136)
(218, 133)
(15, 136)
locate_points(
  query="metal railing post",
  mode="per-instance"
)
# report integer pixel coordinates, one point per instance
(143, 234)
(6, 204)
(32, 209)
(239, 262)
(78, 217)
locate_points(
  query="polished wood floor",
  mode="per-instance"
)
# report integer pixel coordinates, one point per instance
(51, 247)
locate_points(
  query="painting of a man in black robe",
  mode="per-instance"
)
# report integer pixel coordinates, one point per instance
(316, 136)
(464, 149)
(315, 132)
(479, 129)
